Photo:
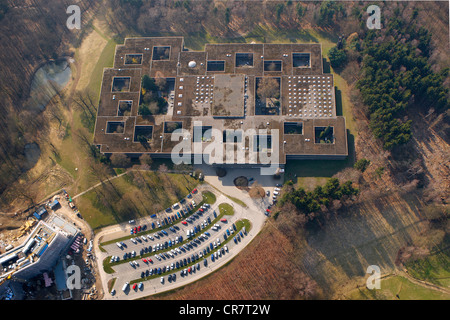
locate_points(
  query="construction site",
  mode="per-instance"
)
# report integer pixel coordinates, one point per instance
(35, 259)
(233, 86)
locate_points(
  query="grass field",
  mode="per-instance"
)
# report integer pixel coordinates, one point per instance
(398, 288)
(133, 195)
(434, 269)
(226, 209)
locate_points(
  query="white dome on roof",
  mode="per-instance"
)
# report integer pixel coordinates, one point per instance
(192, 64)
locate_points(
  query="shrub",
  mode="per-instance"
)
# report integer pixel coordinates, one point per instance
(338, 57)
(361, 164)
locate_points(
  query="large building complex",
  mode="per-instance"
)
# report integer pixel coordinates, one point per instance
(220, 88)
(39, 252)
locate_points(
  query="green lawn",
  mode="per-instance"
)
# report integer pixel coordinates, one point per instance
(398, 288)
(226, 208)
(209, 197)
(434, 268)
(105, 60)
(133, 195)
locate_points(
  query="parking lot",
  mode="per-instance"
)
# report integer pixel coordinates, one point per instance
(160, 256)
(142, 258)
(185, 261)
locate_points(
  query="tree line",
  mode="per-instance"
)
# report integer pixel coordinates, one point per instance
(396, 75)
(320, 198)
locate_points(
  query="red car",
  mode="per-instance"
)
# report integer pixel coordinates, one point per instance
(184, 222)
(189, 270)
(150, 260)
(223, 220)
(201, 210)
(134, 286)
(135, 230)
(194, 191)
(139, 228)
(144, 260)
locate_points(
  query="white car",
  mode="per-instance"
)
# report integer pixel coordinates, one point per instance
(162, 280)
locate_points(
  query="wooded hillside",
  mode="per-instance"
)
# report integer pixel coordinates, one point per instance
(32, 32)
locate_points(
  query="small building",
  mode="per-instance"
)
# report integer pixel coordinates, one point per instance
(54, 205)
(39, 213)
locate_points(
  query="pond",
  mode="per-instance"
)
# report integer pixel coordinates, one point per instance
(32, 153)
(48, 80)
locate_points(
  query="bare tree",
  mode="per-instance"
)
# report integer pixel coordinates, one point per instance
(146, 161)
(120, 160)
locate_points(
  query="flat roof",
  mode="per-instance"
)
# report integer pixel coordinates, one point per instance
(228, 98)
(222, 99)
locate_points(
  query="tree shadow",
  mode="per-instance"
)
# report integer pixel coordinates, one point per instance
(342, 246)
(321, 168)
(326, 66)
(338, 98)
